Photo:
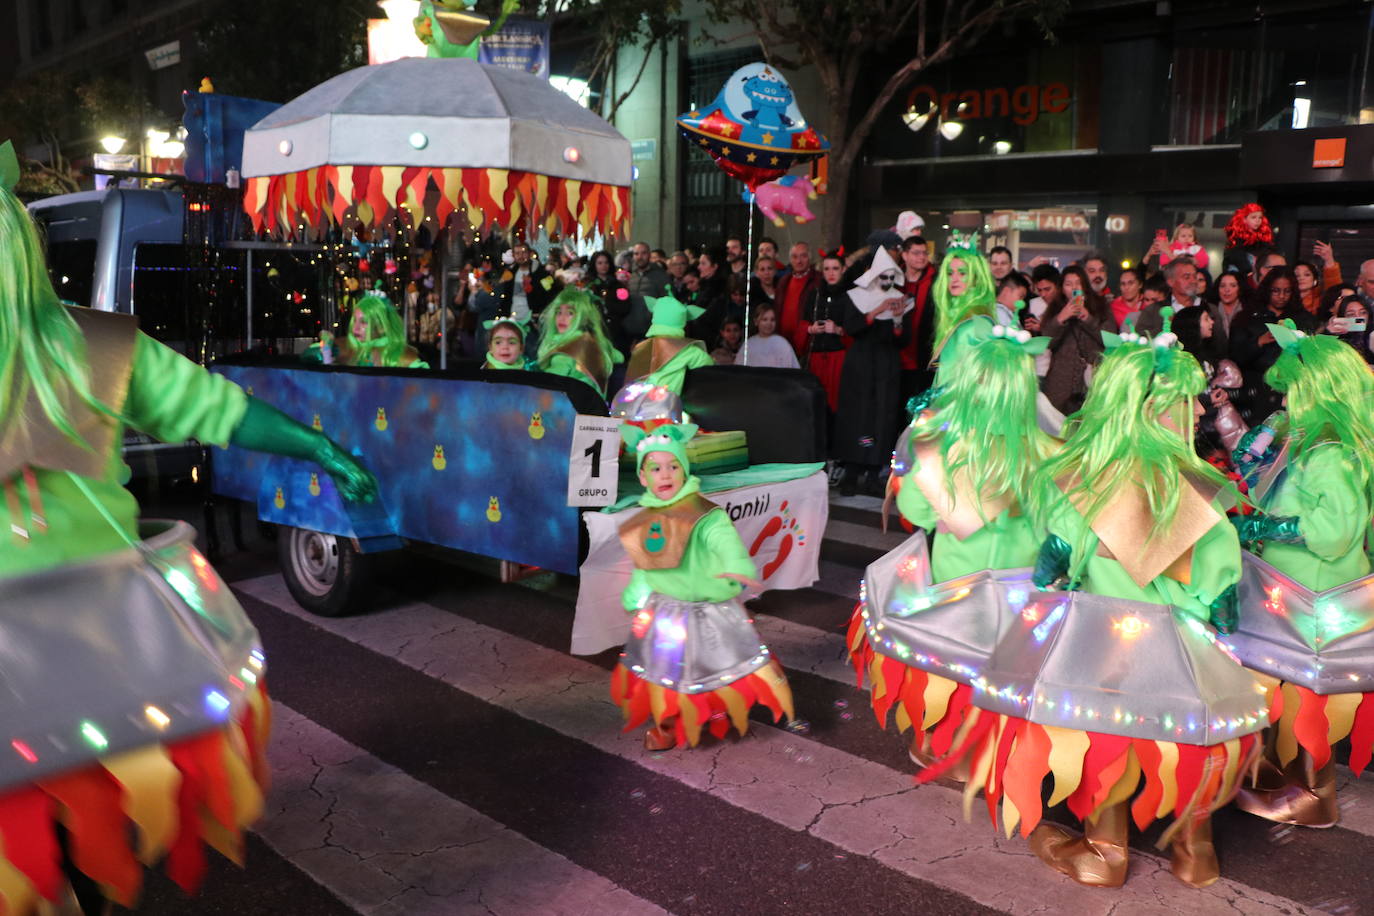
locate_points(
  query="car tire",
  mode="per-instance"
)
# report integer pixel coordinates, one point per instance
(324, 573)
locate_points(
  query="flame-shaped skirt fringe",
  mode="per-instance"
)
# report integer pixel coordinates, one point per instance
(138, 807)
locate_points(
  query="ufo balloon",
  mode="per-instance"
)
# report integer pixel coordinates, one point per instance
(753, 128)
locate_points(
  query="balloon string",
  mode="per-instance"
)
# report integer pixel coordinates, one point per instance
(748, 274)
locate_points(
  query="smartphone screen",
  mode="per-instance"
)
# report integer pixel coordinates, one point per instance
(1357, 325)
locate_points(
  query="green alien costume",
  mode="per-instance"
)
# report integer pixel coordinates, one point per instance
(693, 651)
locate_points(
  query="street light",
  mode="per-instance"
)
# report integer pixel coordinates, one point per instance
(112, 144)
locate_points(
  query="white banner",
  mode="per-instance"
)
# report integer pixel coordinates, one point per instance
(780, 523)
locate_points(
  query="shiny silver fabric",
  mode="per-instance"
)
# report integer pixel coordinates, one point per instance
(1323, 641)
(641, 402)
(947, 628)
(693, 646)
(1121, 668)
(1061, 658)
(123, 650)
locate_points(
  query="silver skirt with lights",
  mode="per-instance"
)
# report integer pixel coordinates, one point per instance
(1323, 641)
(140, 646)
(693, 646)
(1071, 659)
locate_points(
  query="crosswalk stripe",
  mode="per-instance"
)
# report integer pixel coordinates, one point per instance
(390, 845)
(860, 806)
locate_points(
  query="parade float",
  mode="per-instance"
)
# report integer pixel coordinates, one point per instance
(500, 464)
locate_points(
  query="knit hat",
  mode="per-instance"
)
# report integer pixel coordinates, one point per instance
(670, 316)
(671, 439)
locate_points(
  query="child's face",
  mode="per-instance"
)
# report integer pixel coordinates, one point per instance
(505, 346)
(768, 323)
(1186, 237)
(1254, 220)
(692, 282)
(731, 333)
(563, 318)
(360, 325)
(662, 474)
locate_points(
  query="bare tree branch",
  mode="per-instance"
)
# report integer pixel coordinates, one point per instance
(639, 74)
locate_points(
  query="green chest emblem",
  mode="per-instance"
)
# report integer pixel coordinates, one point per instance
(654, 540)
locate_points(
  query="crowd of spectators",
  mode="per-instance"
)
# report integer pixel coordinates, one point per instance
(796, 313)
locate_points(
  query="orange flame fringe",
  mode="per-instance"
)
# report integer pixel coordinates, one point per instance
(200, 790)
(1010, 757)
(1316, 723)
(321, 196)
(716, 709)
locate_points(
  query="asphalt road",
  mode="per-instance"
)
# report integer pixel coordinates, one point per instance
(444, 754)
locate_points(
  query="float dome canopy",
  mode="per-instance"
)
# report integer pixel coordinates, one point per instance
(504, 144)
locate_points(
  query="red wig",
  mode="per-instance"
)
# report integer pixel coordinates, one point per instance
(1240, 235)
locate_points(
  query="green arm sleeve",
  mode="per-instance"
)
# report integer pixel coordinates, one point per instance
(1216, 563)
(173, 399)
(266, 429)
(912, 503)
(725, 552)
(637, 592)
(1334, 510)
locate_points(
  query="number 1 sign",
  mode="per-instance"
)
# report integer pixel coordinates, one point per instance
(594, 461)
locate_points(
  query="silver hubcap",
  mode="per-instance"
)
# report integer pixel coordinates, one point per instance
(315, 560)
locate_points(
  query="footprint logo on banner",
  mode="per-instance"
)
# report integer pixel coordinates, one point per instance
(784, 527)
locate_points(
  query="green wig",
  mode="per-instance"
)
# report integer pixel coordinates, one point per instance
(41, 349)
(979, 298)
(987, 416)
(384, 336)
(1329, 391)
(586, 319)
(1136, 427)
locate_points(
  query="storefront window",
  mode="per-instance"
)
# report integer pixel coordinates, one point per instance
(1275, 73)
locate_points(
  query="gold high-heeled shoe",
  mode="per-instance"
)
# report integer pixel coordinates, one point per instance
(1097, 858)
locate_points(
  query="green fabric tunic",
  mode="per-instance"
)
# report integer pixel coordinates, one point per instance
(672, 373)
(714, 547)
(1323, 491)
(1005, 542)
(169, 398)
(1215, 567)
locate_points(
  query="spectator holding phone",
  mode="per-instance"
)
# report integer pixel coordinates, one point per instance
(1075, 332)
(1350, 322)
(1252, 345)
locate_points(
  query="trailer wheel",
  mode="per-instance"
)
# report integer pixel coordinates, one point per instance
(325, 574)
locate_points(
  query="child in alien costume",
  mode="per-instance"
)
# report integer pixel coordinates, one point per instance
(666, 353)
(693, 659)
(576, 346)
(1142, 694)
(506, 344)
(373, 336)
(1316, 496)
(134, 704)
(963, 470)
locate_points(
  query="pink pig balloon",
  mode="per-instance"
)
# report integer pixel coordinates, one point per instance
(786, 195)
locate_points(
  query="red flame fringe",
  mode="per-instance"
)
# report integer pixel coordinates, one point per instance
(322, 196)
(1010, 757)
(200, 790)
(1316, 722)
(716, 710)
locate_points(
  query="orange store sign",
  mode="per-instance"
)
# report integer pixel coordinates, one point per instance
(1023, 105)
(1328, 153)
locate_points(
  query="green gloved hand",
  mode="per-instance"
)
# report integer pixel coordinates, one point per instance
(1258, 527)
(266, 429)
(1225, 611)
(1052, 566)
